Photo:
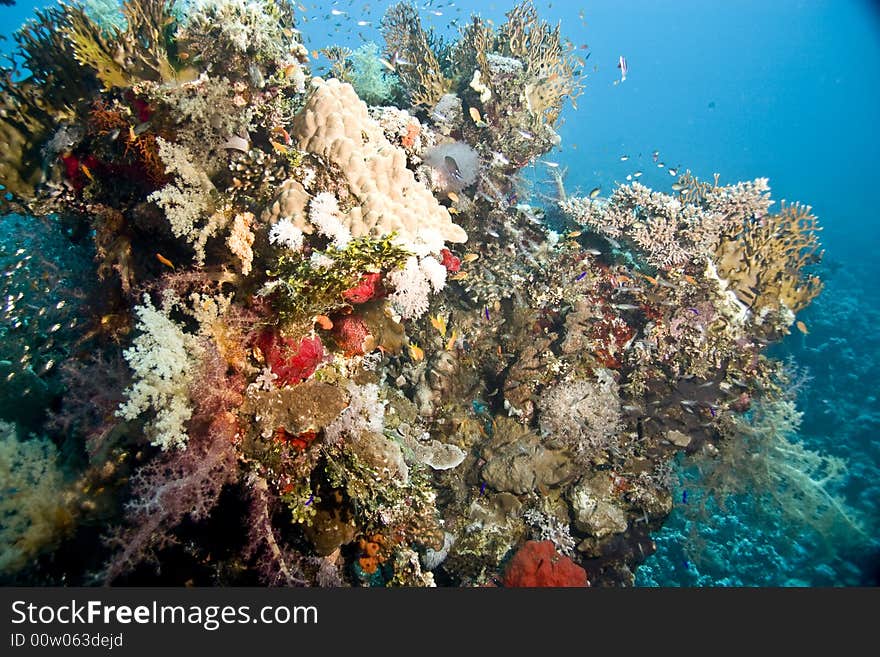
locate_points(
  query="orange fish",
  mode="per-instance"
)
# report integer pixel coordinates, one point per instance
(452, 340)
(165, 261)
(324, 322)
(802, 327)
(279, 148)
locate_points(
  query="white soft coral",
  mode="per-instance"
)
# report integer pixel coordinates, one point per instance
(162, 357)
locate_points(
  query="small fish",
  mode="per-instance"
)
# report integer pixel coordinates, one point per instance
(470, 257)
(684, 496)
(637, 174)
(460, 276)
(87, 172)
(363, 23)
(581, 276)
(452, 196)
(450, 345)
(486, 311)
(673, 172)
(624, 69)
(595, 192)
(416, 352)
(475, 115)
(388, 65)
(655, 155)
(552, 165)
(802, 327)
(574, 233)
(525, 134)
(324, 322)
(482, 488)
(624, 158)
(439, 323)
(677, 187)
(337, 12)
(310, 500)
(690, 279)
(280, 148)
(165, 261)
(625, 306)
(452, 167)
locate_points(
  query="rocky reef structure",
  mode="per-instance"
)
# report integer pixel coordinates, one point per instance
(344, 352)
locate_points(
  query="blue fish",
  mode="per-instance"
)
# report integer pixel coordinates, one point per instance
(311, 498)
(684, 496)
(486, 311)
(581, 276)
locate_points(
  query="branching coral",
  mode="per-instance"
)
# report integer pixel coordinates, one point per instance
(140, 52)
(766, 262)
(553, 71)
(761, 257)
(242, 34)
(407, 44)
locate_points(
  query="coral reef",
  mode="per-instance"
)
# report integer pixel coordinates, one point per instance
(328, 342)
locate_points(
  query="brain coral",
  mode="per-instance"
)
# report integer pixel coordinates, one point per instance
(335, 125)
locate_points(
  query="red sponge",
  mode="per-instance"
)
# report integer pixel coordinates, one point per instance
(537, 563)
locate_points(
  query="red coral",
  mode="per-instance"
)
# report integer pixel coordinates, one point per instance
(537, 563)
(290, 361)
(351, 333)
(449, 261)
(369, 287)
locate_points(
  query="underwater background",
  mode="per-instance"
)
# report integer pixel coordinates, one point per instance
(745, 89)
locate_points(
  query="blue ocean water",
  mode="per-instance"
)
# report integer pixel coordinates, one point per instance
(784, 89)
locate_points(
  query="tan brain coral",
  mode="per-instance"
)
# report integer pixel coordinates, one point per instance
(336, 126)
